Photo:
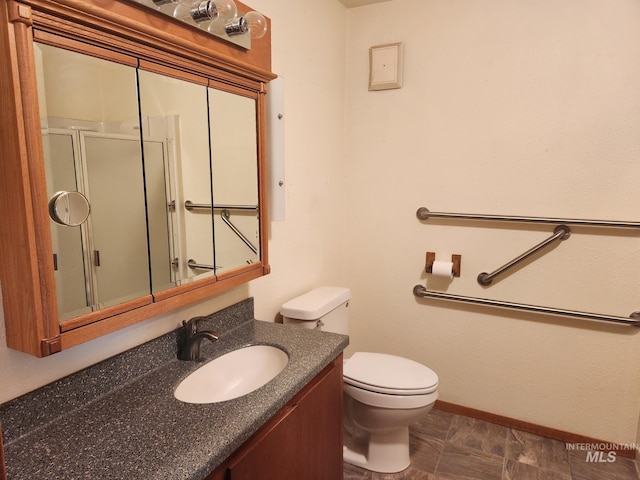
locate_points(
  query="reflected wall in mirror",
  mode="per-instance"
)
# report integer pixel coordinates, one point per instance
(234, 165)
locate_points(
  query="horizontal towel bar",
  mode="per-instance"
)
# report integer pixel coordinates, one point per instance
(561, 232)
(189, 205)
(633, 320)
(424, 214)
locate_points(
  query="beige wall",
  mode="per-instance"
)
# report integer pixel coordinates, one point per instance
(522, 108)
(307, 249)
(494, 92)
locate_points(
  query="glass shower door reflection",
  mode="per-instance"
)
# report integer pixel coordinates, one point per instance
(118, 242)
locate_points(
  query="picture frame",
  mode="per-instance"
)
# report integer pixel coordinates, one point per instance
(386, 66)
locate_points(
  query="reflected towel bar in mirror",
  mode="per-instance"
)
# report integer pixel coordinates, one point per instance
(424, 214)
(633, 320)
(193, 264)
(189, 205)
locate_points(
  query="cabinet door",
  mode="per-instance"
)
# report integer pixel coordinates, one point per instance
(304, 440)
(3, 474)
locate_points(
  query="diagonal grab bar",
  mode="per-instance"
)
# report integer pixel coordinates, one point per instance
(561, 232)
(225, 214)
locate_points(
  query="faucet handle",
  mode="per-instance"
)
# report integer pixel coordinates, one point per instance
(190, 340)
(191, 326)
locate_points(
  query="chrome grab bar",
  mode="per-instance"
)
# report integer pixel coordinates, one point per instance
(193, 264)
(225, 214)
(225, 218)
(424, 214)
(633, 320)
(561, 232)
(189, 205)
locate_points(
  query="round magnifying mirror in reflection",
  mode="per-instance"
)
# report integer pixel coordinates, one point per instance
(69, 208)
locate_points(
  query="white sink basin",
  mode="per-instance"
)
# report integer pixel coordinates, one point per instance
(232, 375)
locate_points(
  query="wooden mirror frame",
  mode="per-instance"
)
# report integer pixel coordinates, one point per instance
(26, 260)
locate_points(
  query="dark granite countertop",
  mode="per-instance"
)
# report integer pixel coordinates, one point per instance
(120, 420)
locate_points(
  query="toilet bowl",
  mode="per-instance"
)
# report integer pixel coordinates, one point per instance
(383, 394)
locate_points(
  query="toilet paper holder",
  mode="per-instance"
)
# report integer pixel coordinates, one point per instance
(455, 259)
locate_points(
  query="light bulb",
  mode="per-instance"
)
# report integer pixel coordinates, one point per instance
(225, 11)
(257, 24)
(253, 23)
(184, 8)
(195, 13)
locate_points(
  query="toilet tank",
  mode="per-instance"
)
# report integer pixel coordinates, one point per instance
(324, 308)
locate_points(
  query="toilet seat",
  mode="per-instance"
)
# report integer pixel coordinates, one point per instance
(384, 400)
(389, 391)
(389, 374)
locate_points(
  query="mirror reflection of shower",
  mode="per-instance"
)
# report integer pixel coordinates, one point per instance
(105, 260)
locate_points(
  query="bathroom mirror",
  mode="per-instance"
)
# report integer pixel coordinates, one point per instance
(126, 108)
(182, 182)
(88, 109)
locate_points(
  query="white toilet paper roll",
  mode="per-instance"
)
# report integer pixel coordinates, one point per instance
(442, 269)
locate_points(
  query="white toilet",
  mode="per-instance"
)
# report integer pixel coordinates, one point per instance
(384, 394)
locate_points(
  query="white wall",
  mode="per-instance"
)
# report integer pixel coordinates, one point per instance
(522, 108)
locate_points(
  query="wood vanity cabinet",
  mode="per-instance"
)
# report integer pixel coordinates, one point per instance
(3, 473)
(302, 441)
(124, 32)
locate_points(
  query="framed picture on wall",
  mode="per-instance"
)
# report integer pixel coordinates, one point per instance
(385, 66)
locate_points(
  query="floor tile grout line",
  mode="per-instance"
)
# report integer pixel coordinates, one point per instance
(504, 453)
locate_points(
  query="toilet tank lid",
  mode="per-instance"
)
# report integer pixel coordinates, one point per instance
(316, 303)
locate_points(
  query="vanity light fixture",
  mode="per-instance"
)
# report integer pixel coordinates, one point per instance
(218, 17)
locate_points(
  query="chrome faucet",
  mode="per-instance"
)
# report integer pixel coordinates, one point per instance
(192, 338)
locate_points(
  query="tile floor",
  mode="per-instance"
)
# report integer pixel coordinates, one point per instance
(446, 446)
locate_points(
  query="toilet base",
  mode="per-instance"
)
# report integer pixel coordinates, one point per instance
(386, 452)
